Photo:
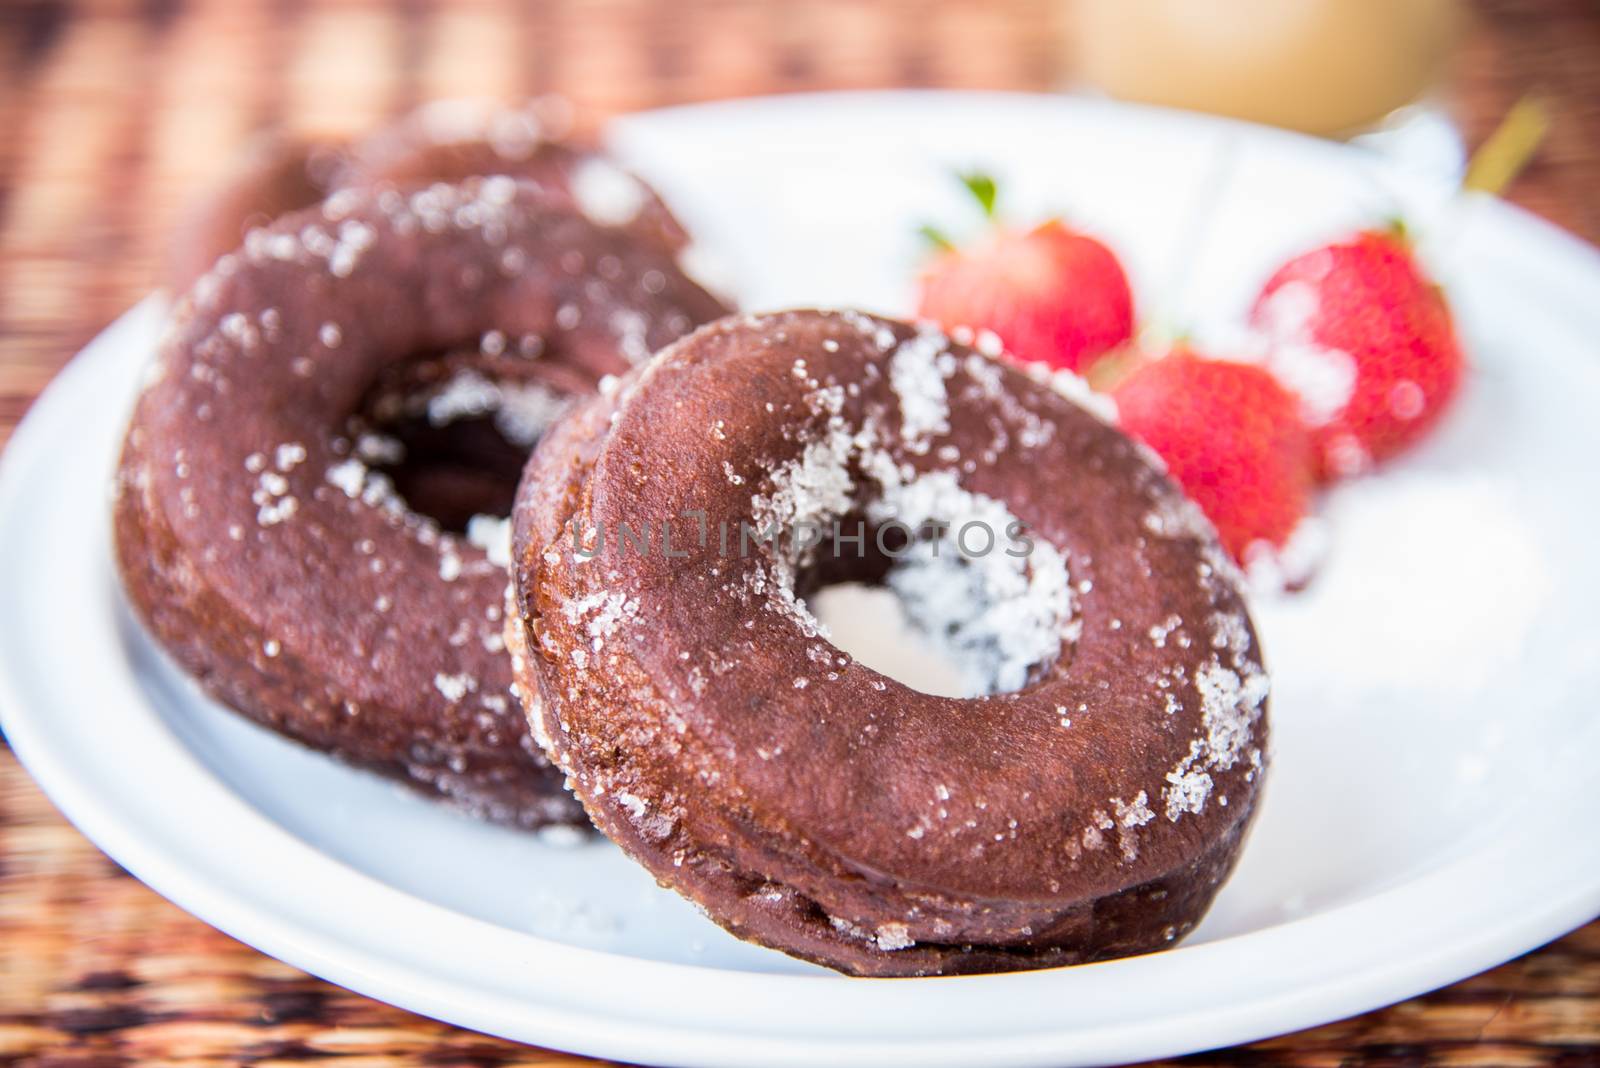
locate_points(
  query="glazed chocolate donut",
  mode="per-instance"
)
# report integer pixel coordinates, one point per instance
(448, 140)
(444, 141)
(257, 531)
(276, 174)
(1085, 802)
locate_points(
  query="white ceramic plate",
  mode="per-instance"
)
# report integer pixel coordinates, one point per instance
(1431, 809)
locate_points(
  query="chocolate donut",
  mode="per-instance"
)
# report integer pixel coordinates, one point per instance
(448, 140)
(443, 141)
(276, 174)
(257, 530)
(1085, 802)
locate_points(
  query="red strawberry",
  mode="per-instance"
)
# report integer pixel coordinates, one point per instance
(1050, 294)
(1231, 436)
(1365, 338)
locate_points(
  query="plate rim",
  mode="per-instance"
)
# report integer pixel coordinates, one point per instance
(397, 982)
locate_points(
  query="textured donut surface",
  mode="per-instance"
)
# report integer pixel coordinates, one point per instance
(1088, 799)
(256, 532)
(448, 140)
(443, 141)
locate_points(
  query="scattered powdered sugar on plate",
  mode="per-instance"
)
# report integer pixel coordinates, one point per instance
(1270, 568)
(566, 919)
(1434, 582)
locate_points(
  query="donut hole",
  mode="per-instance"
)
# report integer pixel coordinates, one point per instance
(452, 434)
(870, 623)
(940, 613)
(849, 594)
(453, 472)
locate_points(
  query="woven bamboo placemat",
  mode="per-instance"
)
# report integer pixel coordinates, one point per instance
(112, 113)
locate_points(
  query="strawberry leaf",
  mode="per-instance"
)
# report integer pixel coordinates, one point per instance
(983, 190)
(936, 237)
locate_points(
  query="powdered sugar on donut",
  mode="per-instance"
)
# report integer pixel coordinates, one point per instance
(601, 614)
(917, 373)
(522, 412)
(997, 615)
(814, 489)
(1233, 689)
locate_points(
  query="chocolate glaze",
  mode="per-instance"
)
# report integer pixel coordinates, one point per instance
(256, 536)
(444, 141)
(449, 140)
(807, 802)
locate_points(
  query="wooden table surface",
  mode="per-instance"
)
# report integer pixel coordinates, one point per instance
(111, 114)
